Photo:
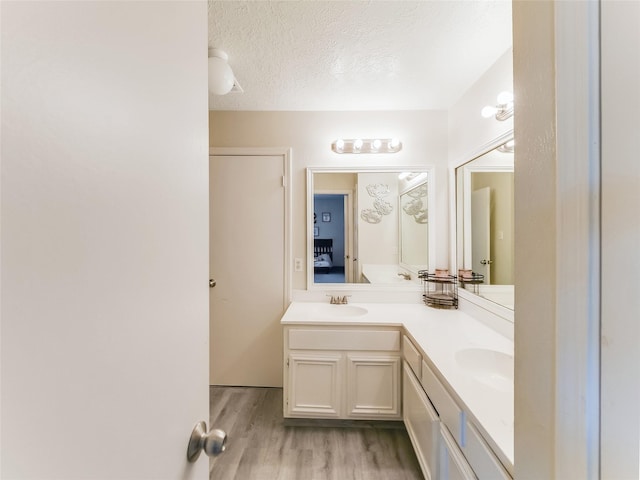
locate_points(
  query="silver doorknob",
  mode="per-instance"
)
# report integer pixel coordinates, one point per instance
(486, 262)
(212, 443)
(212, 283)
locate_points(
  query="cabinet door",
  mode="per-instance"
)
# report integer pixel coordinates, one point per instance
(421, 421)
(453, 465)
(314, 385)
(485, 464)
(373, 386)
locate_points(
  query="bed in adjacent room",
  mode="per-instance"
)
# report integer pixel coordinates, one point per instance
(322, 255)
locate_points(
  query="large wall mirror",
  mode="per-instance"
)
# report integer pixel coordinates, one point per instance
(368, 226)
(485, 225)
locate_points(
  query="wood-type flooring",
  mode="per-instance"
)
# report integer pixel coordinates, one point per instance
(261, 445)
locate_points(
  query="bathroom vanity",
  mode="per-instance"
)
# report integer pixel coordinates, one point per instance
(448, 376)
(347, 372)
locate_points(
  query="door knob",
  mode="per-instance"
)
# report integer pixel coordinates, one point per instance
(212, 283)
(486, 262)
(212, 443)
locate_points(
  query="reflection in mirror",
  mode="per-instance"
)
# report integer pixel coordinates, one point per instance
(485, 225)
(367, 226)
(414, 227)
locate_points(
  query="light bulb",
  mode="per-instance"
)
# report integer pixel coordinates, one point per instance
(376, 144)
(340, 145)
(505, 98)
(357, 144)
(394, 143)
(488, 111)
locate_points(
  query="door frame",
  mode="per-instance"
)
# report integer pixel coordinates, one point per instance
(286, 154)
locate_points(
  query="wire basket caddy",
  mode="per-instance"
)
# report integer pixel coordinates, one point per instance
(470, 280)
(439, 290)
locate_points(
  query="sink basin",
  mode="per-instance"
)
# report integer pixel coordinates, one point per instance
(489, 367)
(328, 311)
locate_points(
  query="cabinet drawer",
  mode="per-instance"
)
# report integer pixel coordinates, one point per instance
(422, 424)
(411, 355)
(326, 339)
(453, 465)
(484, 463)
(450, 414)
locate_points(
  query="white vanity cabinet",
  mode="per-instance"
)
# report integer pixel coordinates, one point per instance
(401, 362)
(350, 373)
(447, 444)
(421, 421)
(453, 464)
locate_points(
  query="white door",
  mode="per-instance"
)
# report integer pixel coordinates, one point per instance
(104, 239)
(481, 232)
(247, 256)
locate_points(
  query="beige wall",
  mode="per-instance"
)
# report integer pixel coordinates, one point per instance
(535, 234)
(620, 456)
(335, 181)
(577, 236)
(468, 130)
(310, 134)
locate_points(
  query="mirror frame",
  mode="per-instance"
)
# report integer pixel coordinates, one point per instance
(431, 199)
(495, 308)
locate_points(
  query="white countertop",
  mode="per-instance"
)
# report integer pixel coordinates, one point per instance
(386, 274)
(440, 334)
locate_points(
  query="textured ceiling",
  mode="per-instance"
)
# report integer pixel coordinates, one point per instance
(356, 55)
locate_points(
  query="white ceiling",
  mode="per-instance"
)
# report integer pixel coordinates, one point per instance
(356, 55)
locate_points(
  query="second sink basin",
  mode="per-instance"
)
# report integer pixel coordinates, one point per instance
(490, 367)
(328, 311)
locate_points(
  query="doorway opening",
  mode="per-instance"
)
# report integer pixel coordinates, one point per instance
(330, 228)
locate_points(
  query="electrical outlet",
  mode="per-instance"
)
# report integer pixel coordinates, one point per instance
(297, 264)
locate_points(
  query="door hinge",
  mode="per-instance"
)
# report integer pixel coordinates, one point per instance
(287, 362)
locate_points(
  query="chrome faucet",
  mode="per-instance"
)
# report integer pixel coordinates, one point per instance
(337, 300)
(405, 275)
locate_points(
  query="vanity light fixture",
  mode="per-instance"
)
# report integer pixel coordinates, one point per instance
(366, 145)
(507, 147)
(503, 110)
